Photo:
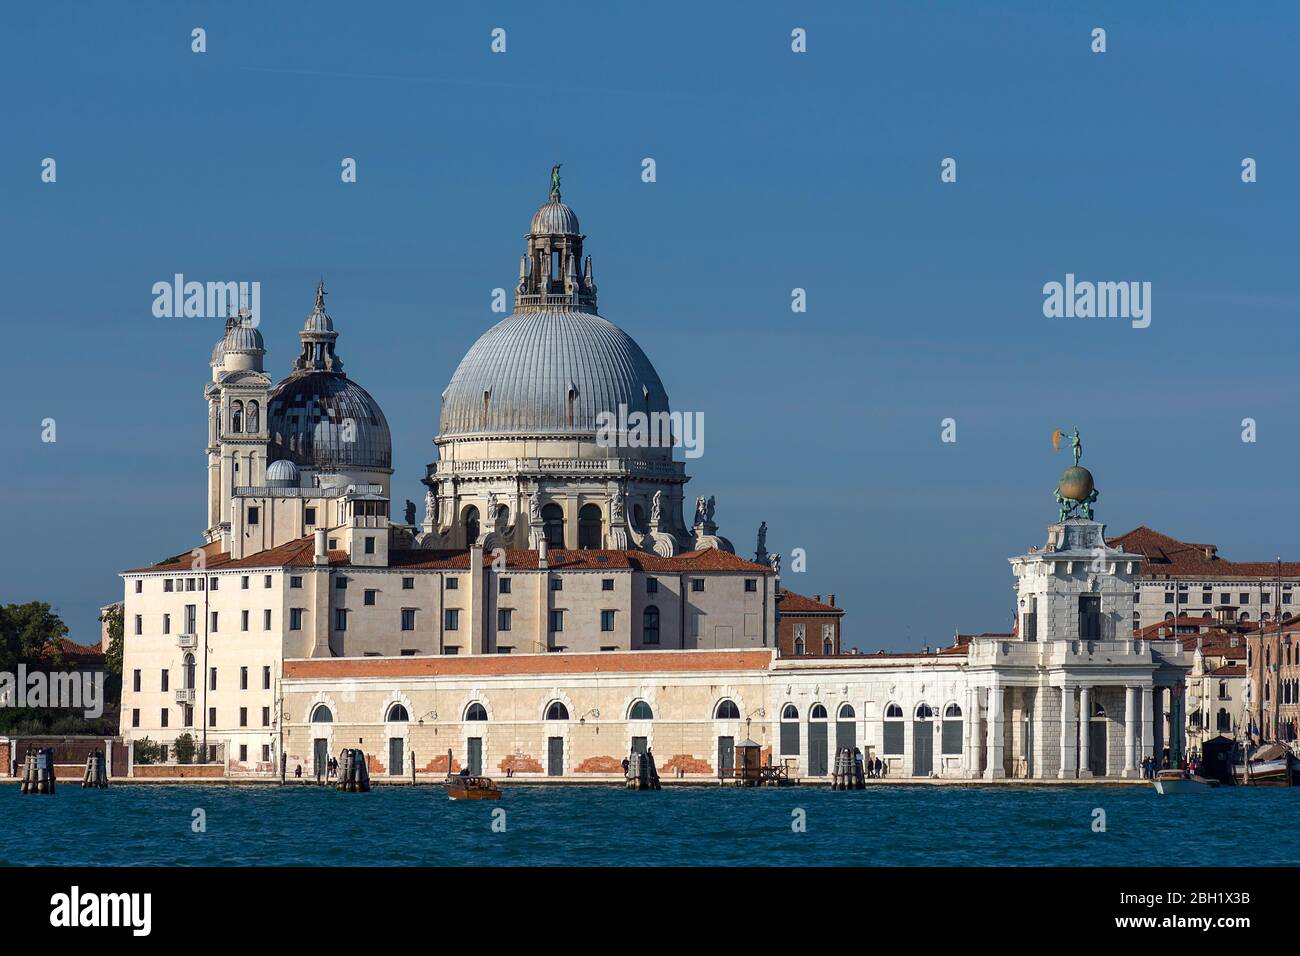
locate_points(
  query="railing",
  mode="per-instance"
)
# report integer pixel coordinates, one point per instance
(187, 641)
(560, 465)
(185, 695)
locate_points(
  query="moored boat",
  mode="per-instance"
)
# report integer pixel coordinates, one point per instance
(1178, 781)
(472, 788)
(1272, 765)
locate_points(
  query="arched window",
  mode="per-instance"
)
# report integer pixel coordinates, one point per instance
(397, 714)
(893, 730)
(471, 525)
(650, 625)
(557, 711)
(322, 715)
(640, 711)
(477, 711)
(572, 397)
(951, 743)
(818, 712)
(1223, 690)
(798, 646)
(253, 422)
(924, 712)
(553, 525)
(589, 526)
(790, 712)
(1097, 709)
(236, 416)
(189, 672)
(790, 730)
(1223, 721)
(726, 710)
(847, 712)
(828, 647)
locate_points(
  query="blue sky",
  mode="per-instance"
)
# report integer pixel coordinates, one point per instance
(775, 171)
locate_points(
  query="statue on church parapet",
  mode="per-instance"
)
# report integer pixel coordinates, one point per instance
(701, 506)
(535, 508)
(616, 516)
(656, 511)
(760, 553)
(708, 508)
(1075, 491)
(775, 563)
(410, 511)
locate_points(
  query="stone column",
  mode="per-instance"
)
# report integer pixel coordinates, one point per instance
(1085, 722)
(967, 737)
(1145, 750)
(976, 733)
(1130, 730)
(1067, 769)
(1158, 724)
(996, 769)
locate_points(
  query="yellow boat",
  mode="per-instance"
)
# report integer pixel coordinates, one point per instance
(472, 788)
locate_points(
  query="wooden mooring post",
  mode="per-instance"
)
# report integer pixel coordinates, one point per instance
(354, 774)
(96, 775)
(38, 772)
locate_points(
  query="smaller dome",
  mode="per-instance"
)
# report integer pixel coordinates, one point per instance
(555, 218)
(1076, 483)
(242, 337)
(219, 351)
(282, 474)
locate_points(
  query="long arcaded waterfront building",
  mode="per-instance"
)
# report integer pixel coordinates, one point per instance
(555, 607)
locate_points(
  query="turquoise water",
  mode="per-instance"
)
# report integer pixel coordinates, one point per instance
(578, 825)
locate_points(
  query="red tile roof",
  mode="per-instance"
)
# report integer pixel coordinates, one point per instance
(1229, 670)
(788, 602)
(1168, 557)
(300, 553)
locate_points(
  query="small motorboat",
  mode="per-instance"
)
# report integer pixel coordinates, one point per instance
(472, 788)
(1179, 781)
(1271, 765)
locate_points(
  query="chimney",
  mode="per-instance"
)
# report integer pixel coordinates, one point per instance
(832, 600)
(322, 555)
(817, 598)
(541, 555)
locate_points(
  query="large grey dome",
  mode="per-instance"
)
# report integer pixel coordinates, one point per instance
(326, 421)
(547, 372)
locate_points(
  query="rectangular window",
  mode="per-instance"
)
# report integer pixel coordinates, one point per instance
(1225, 598)
(451, 619)
(607, 620)
(212, 622)
(751, 585)
(557, 620)
(212, 716)
(139, 624)
(697, 584)
(164, 680)
(370, 544)
(368, 598)
(191, 618)
(135, 717)
(212, 584)
(504, 650)
(651, 585)
(1245, 598)
(252, 514)
(1169, 597)
(893, 736)
(243, 620)
(266, 678)
(135, 680)
(167, 623)
(451, 651)
(408, 584)
(243, 582)
(212, 678)
(340, 584)
(1031, 619)
(340, 619)
(187, 715)
(503, 618)
(189, 584)
(139, 587)
(243, 716)
(243, 678)
(453, 584)
(1090, 617)
(503, 586)
(162, 717)
(409, 652)
(557, 584)
(266, 580)
(266, 716)
(1265, 598)
(607, 584)
(167, 584)
(408, 618)
(309, 516)
(295, 581)
(266, 753)
(266, 619)
(295, 619)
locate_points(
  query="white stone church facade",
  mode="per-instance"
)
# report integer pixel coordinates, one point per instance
(553, 607)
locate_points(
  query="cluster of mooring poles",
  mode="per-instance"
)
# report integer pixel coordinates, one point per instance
(641, 773)
(96, 776)
(354, 775)
(849, 773)
(38, 772)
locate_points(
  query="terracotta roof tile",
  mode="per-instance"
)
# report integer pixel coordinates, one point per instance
(1166, 556)
(788, 602)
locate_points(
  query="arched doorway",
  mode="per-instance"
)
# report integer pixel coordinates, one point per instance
(923, 741)
(470, 520)
(846, 728)
(1097, 740)
(589, 535)
(818, 762)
